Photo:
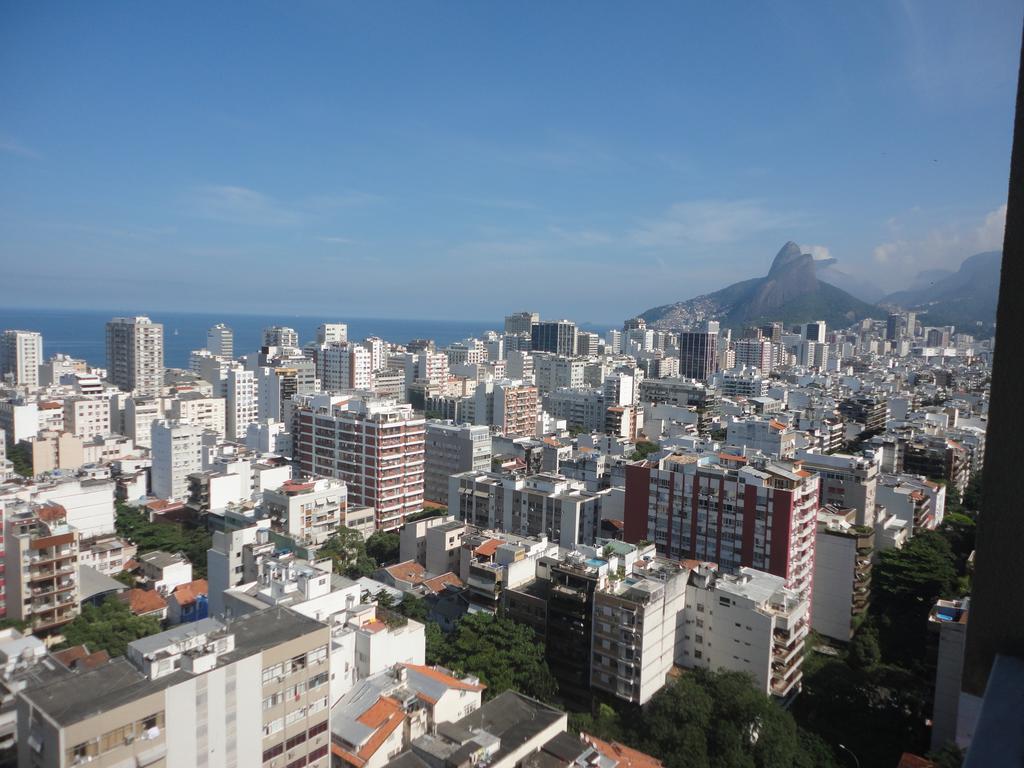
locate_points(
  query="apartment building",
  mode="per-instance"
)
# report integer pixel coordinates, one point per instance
(106, 554)
(139, 415)
(177, 453)
(220, 340)
(308, 510)
(280, 336)
(249, 692)
(768, 436)
(345, 365)
(746, 622)
(87, 417)
(846, 481)
(727, 510)
(135, 355)
(842, 573)
(41, 573)
(21, 354)
(507, 405)
(637, 630)
(542, 504)
(449, 449)
(375, 446)
(582, 409)
(199, 410)
(551, 372)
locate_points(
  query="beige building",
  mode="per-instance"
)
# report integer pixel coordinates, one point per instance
(40, 566)
(248, 693)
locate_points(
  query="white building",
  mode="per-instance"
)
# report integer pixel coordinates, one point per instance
(842, 573)
(450, 448)
(139, 415)
(87, 417)
(748, 622)
(220, 340)
(331, 333)
(308, 510)
(177, 453)
(21, 354)
(201, 411)
(638, 630)
(135, 355)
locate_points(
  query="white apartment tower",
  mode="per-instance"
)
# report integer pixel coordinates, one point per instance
(135, 355)
(220, 340)
(280, 336)
(177, 453)
(21, 354)
(332, 333)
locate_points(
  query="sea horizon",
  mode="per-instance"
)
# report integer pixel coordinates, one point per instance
(81, 333)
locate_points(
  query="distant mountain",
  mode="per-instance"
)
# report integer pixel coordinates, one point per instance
(858, 287)
(791, 292)
(964, 298)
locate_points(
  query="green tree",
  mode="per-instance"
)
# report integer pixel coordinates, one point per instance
(383, 547)
(347, 552)
(644, 448)
(864, 652)
(712, 720)
(20, 457)
(109, 627)
(905, 585)
(436, 643)
(132, 523)
(414, 607)
(502, 653)
(959, 530)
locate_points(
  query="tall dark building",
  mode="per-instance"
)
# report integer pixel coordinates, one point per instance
(698, 352)
(893, 326)
(569, 625)
(558, 336)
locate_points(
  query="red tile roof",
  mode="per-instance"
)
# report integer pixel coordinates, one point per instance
(438, 583)
(186, 594)
(144, 601)
(488, 548)
(410, 571)
(624, 756)
(443, 677)
(385, 715)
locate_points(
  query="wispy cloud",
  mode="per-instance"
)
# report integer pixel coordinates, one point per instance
(335, 240)
(12, 146)
(241, 205)
(711, 222)
(942, 248)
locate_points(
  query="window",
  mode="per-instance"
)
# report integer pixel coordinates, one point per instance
(317, 753)
(697, 655)
(317, 656)
(270, 674)
(317, 729)
(273, 726)
(274, 751)
(294, 741)
(115, 738)
(295, 715)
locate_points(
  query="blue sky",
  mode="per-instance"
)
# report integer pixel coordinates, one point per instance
(466, 159)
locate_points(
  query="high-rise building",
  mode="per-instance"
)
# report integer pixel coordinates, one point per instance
(746, 622)
(308, 510)
(344, 365)
(375, 446)
(220, 340)
(521, 322)
(814, 332)
(698, 352)
(754, 353)
(510, 406)
(451, 448)
(846, 481)
(558, 336)
(842, 573)
(331, 333)
(637, 630)
(40, 566)
(135, 355)
(177, 452)
(21, 354)
(726, 510)
(280, 336)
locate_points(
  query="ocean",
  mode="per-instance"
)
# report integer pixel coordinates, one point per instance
(82, 333)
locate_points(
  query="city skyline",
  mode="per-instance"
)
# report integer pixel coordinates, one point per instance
(413, 151)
